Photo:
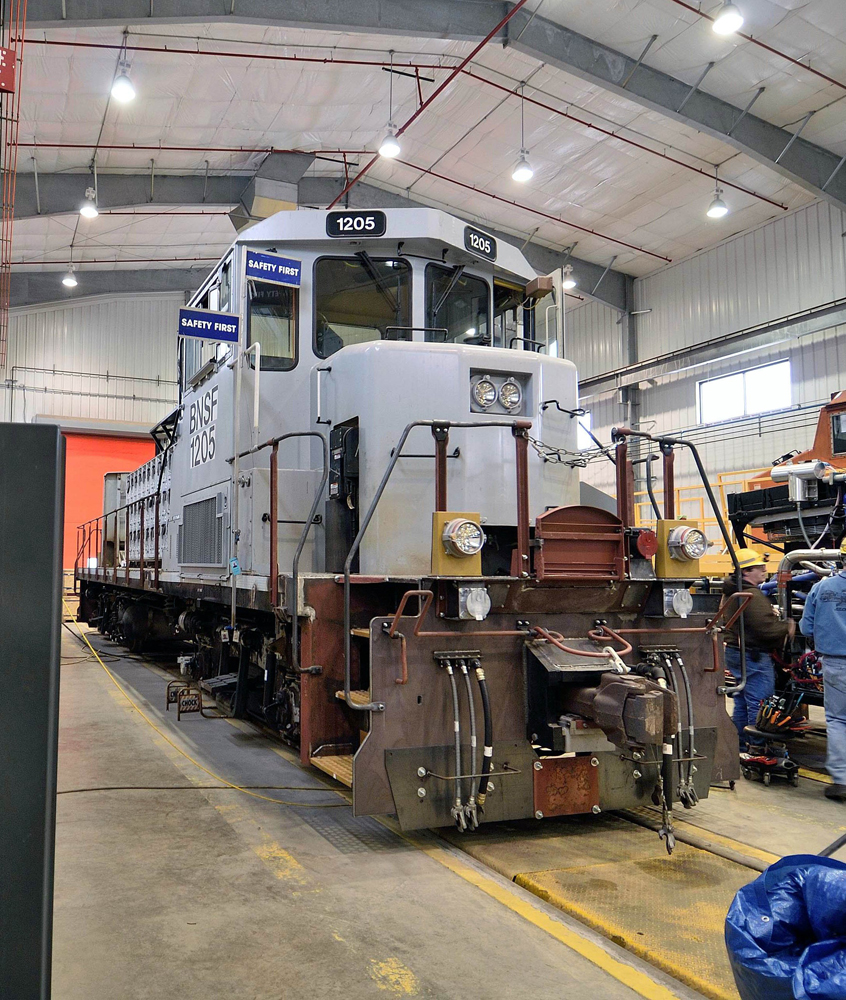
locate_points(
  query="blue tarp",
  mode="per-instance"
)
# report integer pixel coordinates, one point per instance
(786, 931)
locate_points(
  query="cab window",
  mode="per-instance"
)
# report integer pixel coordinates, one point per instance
(360, 299)
(272, 322)
(457, 306)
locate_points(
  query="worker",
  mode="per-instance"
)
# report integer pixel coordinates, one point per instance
(763, 633)
(824, 620)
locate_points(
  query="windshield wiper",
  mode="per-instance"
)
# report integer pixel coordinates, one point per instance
(457, 271)
(377, 279)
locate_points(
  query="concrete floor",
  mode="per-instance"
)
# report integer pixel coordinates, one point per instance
(168, 885)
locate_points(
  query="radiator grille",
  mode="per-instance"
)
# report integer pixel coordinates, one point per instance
(201, 534)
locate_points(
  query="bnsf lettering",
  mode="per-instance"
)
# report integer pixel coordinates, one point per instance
(202, 417)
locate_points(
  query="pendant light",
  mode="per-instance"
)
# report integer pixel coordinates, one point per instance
(88, 209)
(522, 171)
(718, 208)
(727, 20)
(569, 281)
(69, 281)
(389, 147)
(122, 88)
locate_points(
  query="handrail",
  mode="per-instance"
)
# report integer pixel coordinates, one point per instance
(273, 443)
(519, 428)
(666, 444)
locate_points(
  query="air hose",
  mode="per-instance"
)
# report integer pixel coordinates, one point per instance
(487, 757)
(470, 808)
(458, 809)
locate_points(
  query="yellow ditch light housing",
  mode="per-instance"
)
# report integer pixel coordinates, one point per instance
(681, 544)
(457, 540)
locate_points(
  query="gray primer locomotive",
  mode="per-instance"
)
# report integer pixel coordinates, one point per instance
(354, 518)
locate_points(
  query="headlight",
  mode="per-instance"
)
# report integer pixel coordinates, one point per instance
(484, 393)
(462, 537)
(687, 543)
(510, 395)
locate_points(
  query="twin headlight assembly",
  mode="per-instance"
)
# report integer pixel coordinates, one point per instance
(485, 392)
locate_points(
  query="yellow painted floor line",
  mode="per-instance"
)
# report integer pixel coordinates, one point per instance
(815, 776)
(628, 975)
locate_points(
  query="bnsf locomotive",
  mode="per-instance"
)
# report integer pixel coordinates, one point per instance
(365, 516)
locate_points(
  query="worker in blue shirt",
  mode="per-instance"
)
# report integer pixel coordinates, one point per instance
(824, 618)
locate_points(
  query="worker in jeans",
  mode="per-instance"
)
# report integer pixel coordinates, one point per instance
(763, 631)
(824, 619)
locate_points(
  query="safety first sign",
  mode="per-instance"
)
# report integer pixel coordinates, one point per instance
(274, 268)
(207, 325)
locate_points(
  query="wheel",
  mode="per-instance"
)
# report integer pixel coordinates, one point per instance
(731, 785)
(794, 780)
(747, 773)
(767, 778)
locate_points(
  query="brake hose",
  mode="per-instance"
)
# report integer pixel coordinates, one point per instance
(671, 681)
(487, 753)
(692, 796)
(471, 802)
(458, 809)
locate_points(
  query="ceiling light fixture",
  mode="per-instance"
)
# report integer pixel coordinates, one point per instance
(522, 171)
(728, 20)
(88, 209)
(569, 281)
(122, 88)
(718, 208)
(69, 281)
(389, 147)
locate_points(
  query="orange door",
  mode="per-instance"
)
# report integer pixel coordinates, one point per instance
(89, 457)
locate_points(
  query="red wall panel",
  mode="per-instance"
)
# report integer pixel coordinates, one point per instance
(89, 458)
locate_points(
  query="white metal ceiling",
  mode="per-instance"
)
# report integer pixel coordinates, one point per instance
(471, 134)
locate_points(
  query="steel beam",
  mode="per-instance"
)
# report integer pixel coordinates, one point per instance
(805, 163)
(46, 286)
(458, 19)
(62, 193)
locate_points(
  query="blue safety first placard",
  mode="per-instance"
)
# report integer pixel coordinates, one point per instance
(207, 325)
(271, 267)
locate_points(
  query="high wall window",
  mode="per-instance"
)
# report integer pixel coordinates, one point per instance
(743, 394)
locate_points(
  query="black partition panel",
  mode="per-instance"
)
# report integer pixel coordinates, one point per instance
(31, 512)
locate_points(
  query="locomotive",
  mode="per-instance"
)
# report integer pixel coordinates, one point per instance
(365, 517)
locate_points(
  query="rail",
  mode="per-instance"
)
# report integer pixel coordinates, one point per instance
(440, 432)
(100, 553)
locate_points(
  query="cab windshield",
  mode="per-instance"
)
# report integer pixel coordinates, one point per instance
(457, 306)
(359, 299)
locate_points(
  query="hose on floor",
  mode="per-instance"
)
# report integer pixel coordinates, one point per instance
(187, 756)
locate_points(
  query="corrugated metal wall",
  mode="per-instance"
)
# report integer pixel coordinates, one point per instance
(787, 265)
(593, 338)
(104, 358)
(790, 264)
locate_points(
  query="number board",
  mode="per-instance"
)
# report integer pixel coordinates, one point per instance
(202, 420)
(479, 243)
(341, 224)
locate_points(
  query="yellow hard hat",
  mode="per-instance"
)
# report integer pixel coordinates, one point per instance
(843, 546)
(747, 558)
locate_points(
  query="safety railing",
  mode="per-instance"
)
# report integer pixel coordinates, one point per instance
(440, 432)
(691, 501)
(104, 552)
